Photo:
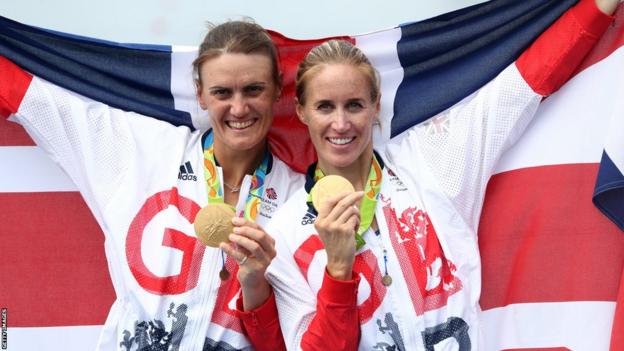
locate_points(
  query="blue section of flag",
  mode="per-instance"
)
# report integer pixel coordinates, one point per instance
(609, 191)
(125, 76)
(448, 57)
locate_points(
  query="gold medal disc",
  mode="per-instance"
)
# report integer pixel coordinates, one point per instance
(213, 224)
(327, 187)
(224, 274)
(386, 280)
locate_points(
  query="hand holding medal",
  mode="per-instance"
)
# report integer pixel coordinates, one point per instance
(326, 188)
(338, 218)
(325, 201)
(254, 250)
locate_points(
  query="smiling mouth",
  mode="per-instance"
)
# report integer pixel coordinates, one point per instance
(341, 141)
(240, 125)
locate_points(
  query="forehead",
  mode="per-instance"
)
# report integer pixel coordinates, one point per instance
(234, 68)
(338, 81)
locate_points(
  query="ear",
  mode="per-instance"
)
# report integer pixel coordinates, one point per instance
(378, 109)
(300, 113)
(198, 91)
(280, 87)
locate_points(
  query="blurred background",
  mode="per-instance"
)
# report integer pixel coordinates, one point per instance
(183, 22)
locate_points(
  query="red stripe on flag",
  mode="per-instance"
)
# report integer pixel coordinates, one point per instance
(542, 240)
(53, 268)
(617, 330)
(13, 134)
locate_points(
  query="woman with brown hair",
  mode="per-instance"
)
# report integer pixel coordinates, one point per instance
(146, 180)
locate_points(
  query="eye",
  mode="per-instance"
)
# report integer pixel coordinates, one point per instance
(254, 89)
(355, 106)
(325, 106)
(221, 93)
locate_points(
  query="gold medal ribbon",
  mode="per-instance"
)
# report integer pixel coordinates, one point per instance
(215, 194)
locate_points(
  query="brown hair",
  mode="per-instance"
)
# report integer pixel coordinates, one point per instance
(239, 37)
(335, 52)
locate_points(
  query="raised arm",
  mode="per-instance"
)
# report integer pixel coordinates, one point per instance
(550, 61)
(462, 155)
(93, 143)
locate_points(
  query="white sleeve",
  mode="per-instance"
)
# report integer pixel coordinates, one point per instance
(296, 302)
(461, 145)
(92, 142)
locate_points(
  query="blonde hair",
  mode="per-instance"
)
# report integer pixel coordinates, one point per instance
(238, 37)
(335, 52)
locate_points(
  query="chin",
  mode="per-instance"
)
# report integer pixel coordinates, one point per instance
(339, 161)
(247, 143)
(245, 146)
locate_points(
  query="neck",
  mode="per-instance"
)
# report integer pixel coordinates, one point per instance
(236, 163)
(356, 173)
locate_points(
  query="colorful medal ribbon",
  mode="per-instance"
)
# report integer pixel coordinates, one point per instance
(215, 194)
(369, 201)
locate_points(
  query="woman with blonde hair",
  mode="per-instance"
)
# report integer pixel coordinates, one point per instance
(411, 278)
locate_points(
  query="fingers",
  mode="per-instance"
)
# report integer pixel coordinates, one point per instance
(336, 206)
(341, 211)
(349, 214)
(354, 221)
(232, 251)
(337, 226)
(250, 234)
(250, 240)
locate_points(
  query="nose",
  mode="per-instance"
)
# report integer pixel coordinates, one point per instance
(341, 121)
(239, 106)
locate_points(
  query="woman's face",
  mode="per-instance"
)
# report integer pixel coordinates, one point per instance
(339, 114)
(238, 91)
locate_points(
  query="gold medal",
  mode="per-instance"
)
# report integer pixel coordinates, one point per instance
(327, 187)
(213, 224)
(224, 274)
(386, 280)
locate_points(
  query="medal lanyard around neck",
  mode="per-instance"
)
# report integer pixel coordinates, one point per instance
(369, 201)
(215, 194)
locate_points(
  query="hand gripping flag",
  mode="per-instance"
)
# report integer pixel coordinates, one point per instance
(551, 261)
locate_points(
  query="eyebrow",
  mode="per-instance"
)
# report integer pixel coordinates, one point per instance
(329, 101)
(325, 101)
(356, 100)
(256, 83)
(218, 87)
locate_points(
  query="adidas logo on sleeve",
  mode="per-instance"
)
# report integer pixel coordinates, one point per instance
(186, 172)
(308, 218)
